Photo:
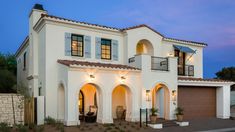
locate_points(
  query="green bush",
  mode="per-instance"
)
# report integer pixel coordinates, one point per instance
(4, 127)
(21, 128)
(60, 126)
(50, 121)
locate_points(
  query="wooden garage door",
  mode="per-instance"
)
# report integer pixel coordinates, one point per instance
(198, 102)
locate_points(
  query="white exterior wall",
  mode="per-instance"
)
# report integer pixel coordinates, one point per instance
(21, 73)
(223, 102)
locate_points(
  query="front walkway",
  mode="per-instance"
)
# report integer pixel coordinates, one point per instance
(195, 125)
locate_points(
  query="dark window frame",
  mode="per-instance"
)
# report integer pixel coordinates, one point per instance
(103, 39)
(183, 57)
(24, 59)
(78, 55)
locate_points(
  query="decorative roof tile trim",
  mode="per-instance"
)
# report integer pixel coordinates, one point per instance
(96, 64)
(142, 25)
(22, 45)
(119, 29)
(186, 41)
(86, 23)
(202, 80)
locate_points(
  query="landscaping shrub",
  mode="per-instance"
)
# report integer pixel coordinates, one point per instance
(50, 121)
(4, 127)
(59, 126)
(21, 128)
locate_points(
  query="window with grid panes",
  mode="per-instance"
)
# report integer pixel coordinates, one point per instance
(77, 45)
(106, 49)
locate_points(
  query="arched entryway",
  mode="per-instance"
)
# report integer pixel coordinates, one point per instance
(121, 102)
(144, 47)
(61, 102)
(89, 101)
(161, 100)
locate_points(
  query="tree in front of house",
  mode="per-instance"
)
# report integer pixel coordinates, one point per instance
(227, 73)
(7, 73)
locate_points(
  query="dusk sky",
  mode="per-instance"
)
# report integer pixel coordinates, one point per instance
(208, 21)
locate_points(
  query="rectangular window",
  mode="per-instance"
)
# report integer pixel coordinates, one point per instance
(106, 49)
(77, 45)
(181, 62)
(24, 64)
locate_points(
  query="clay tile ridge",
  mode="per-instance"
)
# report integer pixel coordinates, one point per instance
(96, 64)
(201, 79)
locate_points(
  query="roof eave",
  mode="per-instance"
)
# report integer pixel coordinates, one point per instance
(185, 42)
(22, 46)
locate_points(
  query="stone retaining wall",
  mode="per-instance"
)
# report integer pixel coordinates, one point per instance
(10, 108)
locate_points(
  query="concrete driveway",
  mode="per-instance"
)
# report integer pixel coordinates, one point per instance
(204, 125)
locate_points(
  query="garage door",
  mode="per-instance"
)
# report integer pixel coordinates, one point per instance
(198, 102)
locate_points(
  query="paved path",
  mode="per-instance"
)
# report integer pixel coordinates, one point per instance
(221, 130)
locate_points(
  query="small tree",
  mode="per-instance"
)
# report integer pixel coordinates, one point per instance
(227, 73)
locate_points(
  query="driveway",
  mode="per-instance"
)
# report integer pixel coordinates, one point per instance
(203, 125)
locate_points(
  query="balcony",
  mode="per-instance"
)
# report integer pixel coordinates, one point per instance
(159, 63)
(153, 63)
(187, 70)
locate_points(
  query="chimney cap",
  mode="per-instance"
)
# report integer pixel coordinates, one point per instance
(38, 7)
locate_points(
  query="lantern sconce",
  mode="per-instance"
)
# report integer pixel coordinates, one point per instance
(123, 78)
(147, 95)
(92, 77)
(173, 94)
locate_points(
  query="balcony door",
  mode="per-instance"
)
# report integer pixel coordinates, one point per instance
(181, 62)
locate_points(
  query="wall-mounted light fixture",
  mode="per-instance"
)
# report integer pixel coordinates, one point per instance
(173, 94)
(147, 95)
(170, 54)
(122, 79)
(92, 77)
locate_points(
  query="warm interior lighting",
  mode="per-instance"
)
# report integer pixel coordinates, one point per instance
(147, 95)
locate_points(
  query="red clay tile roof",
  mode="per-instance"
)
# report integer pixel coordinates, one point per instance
(187, 41)
(90, 24)
(96, 64)
(119, 29)
(201, 79)
(142, 25)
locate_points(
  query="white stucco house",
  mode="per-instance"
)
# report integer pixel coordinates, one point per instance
(72, 65)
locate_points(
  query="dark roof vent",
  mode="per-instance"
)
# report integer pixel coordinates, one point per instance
(38, 7)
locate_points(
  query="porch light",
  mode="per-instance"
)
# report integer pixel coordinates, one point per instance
(173, 95)
(92, 77)
(147, 95)
(122, 80)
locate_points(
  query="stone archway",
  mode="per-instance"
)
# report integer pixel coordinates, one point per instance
(61, 102)
(161, 100)
(92, 96)
(122, 96)
(144, 47)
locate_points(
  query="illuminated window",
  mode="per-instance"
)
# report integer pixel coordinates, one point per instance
(106, 49)
(77, 45)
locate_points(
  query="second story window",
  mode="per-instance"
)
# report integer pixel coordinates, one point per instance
(77, 45)
(106, 49)
(181, 62)
(24, 63)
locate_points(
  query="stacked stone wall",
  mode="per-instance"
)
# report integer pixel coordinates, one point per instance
(11, 108)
